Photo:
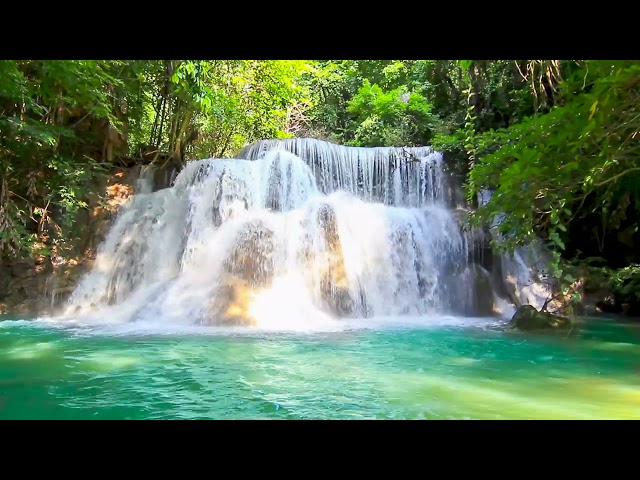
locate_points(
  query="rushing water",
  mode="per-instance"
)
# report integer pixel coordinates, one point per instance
(302, 280)
(293, 233)
(457, 370)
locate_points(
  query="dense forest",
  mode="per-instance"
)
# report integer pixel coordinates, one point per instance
(554, 140)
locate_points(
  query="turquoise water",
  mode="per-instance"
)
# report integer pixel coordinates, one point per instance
(441, 372)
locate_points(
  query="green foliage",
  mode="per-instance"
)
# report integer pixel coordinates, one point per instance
(495, 90)
(555, 140)
(578, 158)
(63, 122)
(371, 102)
(331, 85)
(251, 101)
(212, 108)
(42, 163)
(545, 166)
(625, 284)
(390, 118)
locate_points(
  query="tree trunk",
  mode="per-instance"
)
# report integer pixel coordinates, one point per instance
(177, 150)
(177, 113)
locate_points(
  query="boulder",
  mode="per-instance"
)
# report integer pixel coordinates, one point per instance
(527, 318)
(627, 295)
(251, 259)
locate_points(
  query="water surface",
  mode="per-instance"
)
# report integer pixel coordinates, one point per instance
(460, 371)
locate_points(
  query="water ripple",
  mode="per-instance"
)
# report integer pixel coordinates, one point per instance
(437, 373)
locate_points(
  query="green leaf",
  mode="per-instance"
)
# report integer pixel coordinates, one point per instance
(593, 109)
(555, 237)
(466, 64)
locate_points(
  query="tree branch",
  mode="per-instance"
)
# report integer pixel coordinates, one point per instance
(635, 169)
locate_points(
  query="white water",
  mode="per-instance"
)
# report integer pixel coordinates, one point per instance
(293, 234)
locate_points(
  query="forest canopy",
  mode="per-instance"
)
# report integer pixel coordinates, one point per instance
(555, 140)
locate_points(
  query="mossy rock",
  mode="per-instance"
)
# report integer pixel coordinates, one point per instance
(527, 318)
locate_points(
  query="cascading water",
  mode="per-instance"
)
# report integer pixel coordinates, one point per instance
(290, 232)
(408, 177)
(523, 270)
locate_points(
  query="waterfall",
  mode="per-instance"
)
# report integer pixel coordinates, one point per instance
(409, 177)
(291, 231)
(523, 270)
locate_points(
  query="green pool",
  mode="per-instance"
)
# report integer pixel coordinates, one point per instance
(461, 371)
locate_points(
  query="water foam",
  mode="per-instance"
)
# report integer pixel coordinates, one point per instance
(294, 234)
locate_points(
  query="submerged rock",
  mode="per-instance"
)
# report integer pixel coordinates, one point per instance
(527, 318)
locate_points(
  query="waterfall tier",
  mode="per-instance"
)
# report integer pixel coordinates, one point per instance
(289, 232)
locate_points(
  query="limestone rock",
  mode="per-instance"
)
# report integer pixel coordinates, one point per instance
(252, 257)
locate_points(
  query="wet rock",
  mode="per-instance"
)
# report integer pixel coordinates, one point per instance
(608, 305)
(249, 268)
(5, 276)
(527, 318)
(627, 295)
(334, 288)
(470, 292)
(483, 301)
(22, 269)
(231, 305)
(334, 284)
(252, 257)
(525, 277)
